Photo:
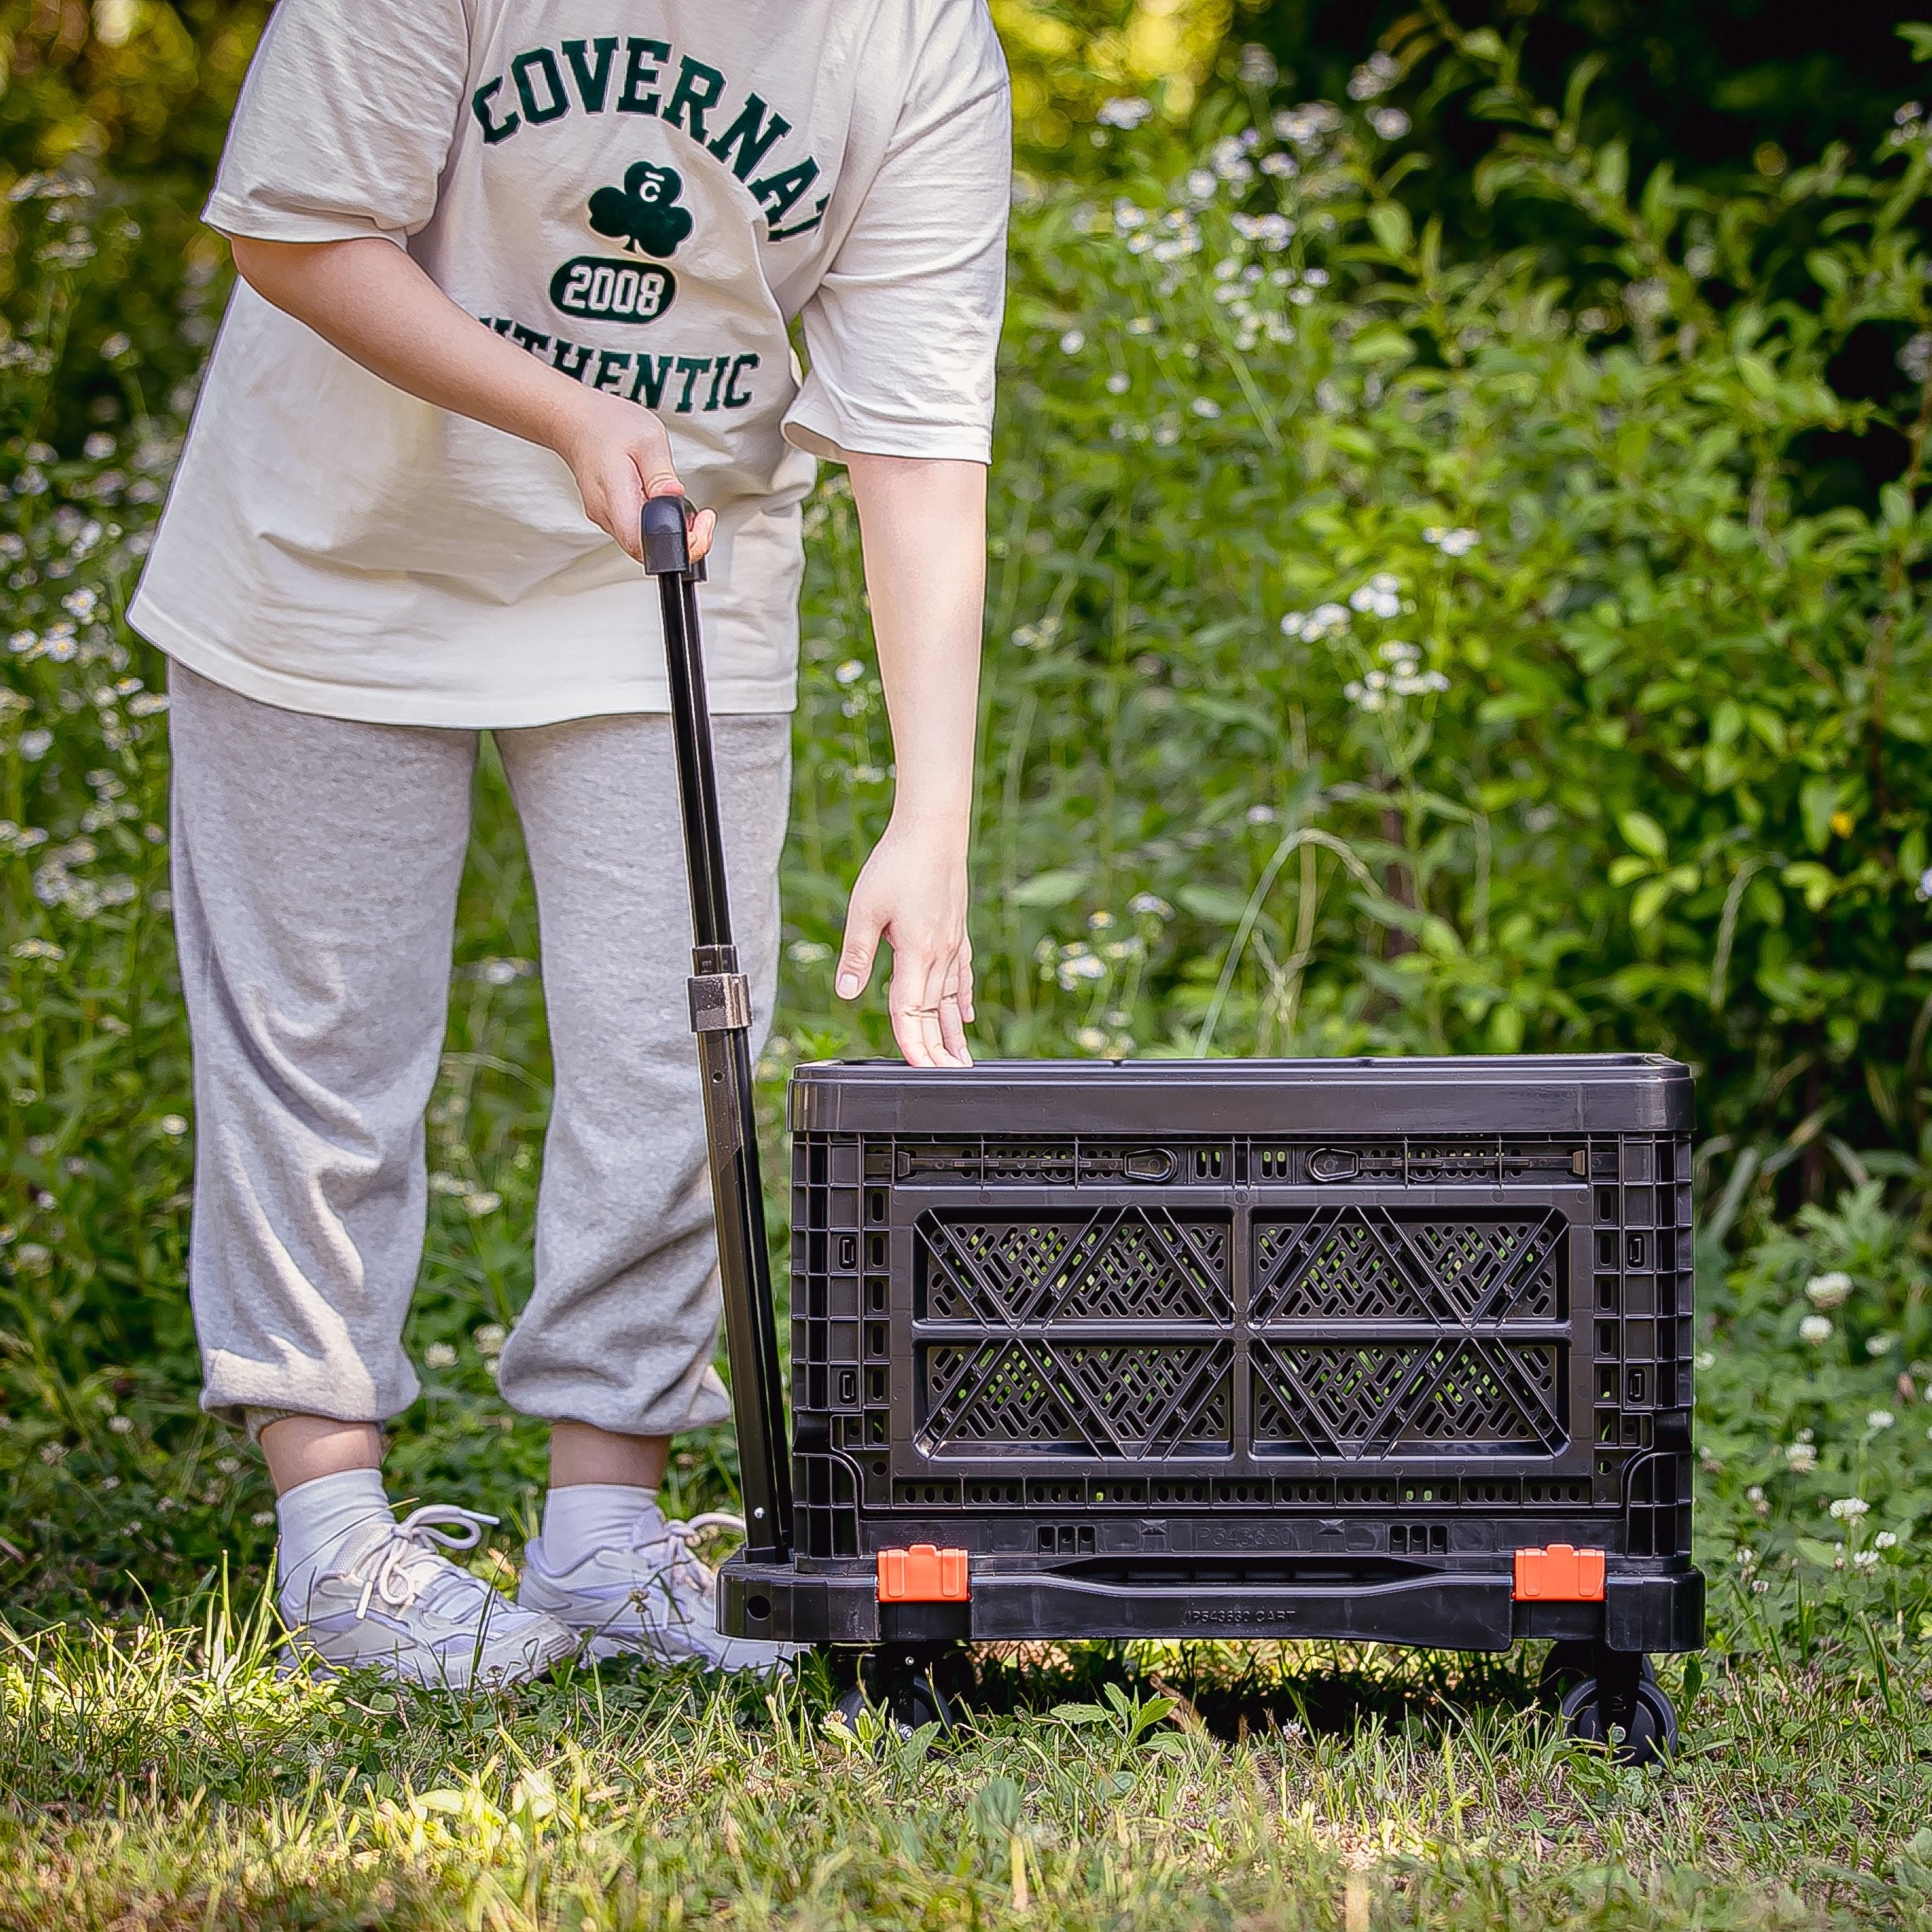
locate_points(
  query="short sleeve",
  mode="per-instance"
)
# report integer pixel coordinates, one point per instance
(345, 121)
(903, 333)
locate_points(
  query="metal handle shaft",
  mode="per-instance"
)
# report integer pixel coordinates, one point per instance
(721, 1015)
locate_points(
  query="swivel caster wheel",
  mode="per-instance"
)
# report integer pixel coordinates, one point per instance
(1644, 1732)
(1568, 1663)
(914, 1702)
(906, 1688)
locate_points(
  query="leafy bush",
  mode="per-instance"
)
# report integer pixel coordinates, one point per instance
(1454, 647)
(1813, 1430)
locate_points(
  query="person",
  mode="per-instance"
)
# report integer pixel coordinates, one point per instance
(504, 271)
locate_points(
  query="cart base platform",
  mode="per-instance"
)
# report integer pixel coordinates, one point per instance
(1438, 1610)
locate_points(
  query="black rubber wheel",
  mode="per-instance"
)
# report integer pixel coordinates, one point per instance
(1652, 1735)
(908, 1703)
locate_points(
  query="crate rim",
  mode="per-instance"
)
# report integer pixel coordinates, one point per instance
(1479, 1093)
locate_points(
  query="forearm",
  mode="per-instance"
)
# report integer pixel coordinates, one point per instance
(371, 300)
(368, 299)
(924, 529)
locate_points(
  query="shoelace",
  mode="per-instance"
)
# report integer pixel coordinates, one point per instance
(682, 1532)
(422, 1533)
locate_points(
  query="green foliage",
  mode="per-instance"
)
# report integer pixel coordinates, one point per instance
(1453, 653)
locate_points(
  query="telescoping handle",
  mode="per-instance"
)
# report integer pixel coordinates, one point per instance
(720, 1016)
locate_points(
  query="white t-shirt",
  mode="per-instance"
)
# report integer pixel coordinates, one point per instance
(645, 193)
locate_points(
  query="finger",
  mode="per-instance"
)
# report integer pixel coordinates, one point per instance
(613, 500)
(934, 1036)
(908, 1025)
(862, 928)
(964, 983)
(933, 1004)
(952, 1030)
(703, 530)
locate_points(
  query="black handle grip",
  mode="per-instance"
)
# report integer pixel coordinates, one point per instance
(665, 529)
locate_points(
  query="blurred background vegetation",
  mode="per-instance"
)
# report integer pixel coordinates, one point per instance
(1459, 583)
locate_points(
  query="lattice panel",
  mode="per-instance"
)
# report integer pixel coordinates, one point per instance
(1116, 1264)
(1378, 1264)
(1373, 1398)
(1106, 1399)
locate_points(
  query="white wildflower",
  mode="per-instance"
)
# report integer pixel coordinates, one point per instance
(1390, 123)
(490, 1338)
(1150, 905)
(120, 1425)
(1816, 1329)
(1828, 1291)
(1886, 1539)
(1880, 1418)
(850, 672)
(1128, 112)
(484, 1200)
(1376, 75)
(1801, 1458)
(1866, 1560)
(1090, 1039)
(1205, 406)
(173, 1125)
(1258, 67)
(1073, 341)
(439, 1355)
(1849, 1509)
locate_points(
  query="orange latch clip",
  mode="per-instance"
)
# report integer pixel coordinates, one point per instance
(923, 1574)
(1560, 1575)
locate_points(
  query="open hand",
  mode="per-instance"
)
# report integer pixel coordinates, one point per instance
(912, 893)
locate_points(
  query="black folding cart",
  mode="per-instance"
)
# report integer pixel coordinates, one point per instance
(1389, 1350)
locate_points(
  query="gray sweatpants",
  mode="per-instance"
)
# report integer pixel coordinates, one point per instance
(315, 868)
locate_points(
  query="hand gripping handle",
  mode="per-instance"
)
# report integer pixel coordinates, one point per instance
(665, 530)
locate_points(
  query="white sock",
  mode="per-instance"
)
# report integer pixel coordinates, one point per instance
(316, 1518)
(582, 1518)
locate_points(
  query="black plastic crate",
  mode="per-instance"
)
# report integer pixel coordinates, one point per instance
(1397, 1350)
(1277, 1348)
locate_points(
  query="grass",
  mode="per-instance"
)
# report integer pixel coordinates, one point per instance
(167, 1777)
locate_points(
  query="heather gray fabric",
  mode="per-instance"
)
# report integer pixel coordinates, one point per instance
(316, 867)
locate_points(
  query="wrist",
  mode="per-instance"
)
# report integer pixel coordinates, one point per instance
(565, 420)
(943, 833)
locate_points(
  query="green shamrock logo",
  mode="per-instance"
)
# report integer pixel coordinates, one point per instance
(643, 214)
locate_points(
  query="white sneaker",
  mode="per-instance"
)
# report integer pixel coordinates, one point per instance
(392, 1601)
(651, 1597)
